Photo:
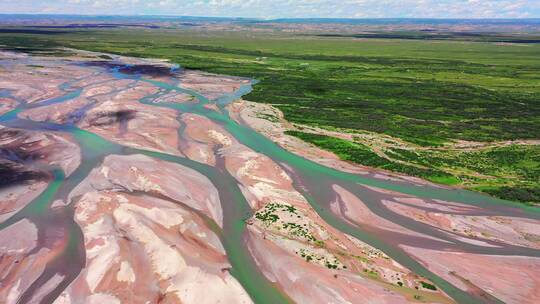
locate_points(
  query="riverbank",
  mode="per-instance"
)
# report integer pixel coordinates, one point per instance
(474, 165)
(126, 216)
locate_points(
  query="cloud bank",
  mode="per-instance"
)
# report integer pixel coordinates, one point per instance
(269, 9)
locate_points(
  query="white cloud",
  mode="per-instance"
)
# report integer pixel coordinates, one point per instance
(287, 8)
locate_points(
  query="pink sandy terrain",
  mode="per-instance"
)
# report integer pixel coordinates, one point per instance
(255, 115)
(138, 173)
(37, 148)
(7, 104)
(130, 123)
(249, 113)
(486, 274)
(36, 82)
(299, 244)
(114, 112)
(210, 85)
(116, 115)
(495, 275)
(150, 228)
(28, 154)
(510, 230)
(353, 210)
(143, 231)
(22, 261)
(175, 97)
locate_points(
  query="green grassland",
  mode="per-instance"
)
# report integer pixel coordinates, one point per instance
(511, 172)
(425, 92)
(362, 154)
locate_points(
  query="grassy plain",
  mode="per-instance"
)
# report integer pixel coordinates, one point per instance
(426, 93)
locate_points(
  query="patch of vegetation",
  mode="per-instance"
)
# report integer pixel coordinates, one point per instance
(362, 154)
(268, 117)
(305, 255)
(428, 285)
(514, 193)
(300, 231)
(420, 91)
(30, 45)
(106, 57)
(509, 172)
(443, 35)
(371, 272)
(423, 92)
(330, 263)
(361, 259)
(267, 215)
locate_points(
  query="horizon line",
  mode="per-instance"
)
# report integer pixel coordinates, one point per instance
(265, 19)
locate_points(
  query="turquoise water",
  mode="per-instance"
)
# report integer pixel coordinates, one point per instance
(313, 180)
(10, 115)
(319, 175)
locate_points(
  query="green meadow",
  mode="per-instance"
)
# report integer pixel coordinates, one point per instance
(427, 94)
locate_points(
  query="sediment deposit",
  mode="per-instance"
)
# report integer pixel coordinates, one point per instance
(125, 180)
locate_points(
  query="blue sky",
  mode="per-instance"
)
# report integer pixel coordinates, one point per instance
(285, 8)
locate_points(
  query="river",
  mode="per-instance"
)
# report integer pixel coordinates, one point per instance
(313, 180)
